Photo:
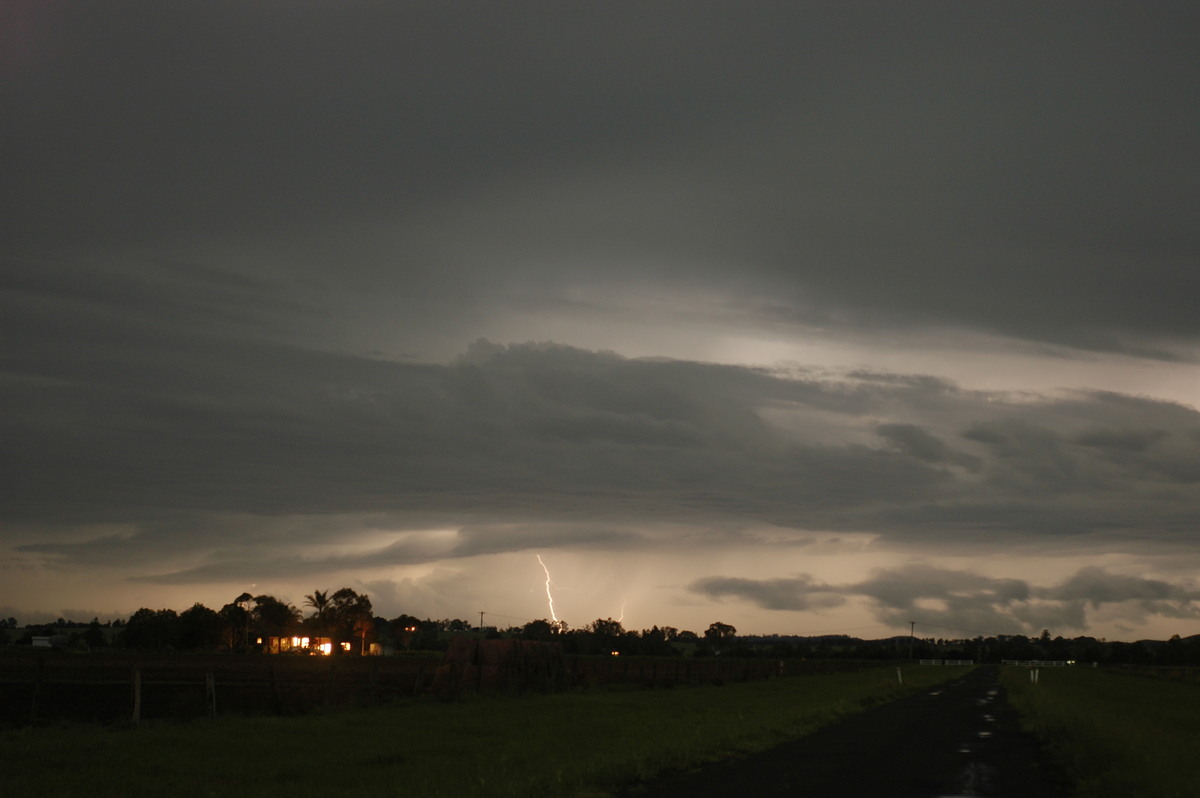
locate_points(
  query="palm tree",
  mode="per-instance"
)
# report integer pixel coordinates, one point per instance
(319, 601)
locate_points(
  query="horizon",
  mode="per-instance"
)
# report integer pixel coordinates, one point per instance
(798, 319)
(945, 634)
(939, 638)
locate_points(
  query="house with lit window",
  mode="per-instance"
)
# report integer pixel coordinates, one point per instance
(296, 644)
(317, 646)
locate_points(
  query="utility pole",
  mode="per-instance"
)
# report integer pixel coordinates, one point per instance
(481, 621)
(912, 628)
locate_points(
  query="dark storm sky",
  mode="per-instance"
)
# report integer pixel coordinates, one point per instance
(797, 314)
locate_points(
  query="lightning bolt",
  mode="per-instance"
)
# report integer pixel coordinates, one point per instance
(549, 597)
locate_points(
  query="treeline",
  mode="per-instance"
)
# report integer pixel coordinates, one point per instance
(993, 649)
(346, 619)
(245, 624)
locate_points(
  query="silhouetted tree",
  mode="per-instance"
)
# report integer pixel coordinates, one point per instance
(656, 642)
(352, 616)
(540, 629)
(606, 628)
(235, 623)
(406, 629)
(94, 636)
(318, 600)
(200, 628)
(272, 617)
(719, 635)
(151, 629)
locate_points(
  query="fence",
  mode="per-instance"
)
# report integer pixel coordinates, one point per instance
(110, 688)
(1181, 673)
(1036, 663)
(123, 688)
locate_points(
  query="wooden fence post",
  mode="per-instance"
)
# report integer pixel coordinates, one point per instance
(210, 693)
(276, 701)
(137, 696)
(37, 689)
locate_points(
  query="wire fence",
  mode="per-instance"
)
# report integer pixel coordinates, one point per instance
(119, 688)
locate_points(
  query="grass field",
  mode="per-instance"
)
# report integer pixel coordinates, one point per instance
(1117, 735)
(577, 744)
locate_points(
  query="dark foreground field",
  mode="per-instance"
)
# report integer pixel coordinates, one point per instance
(961, 738)
(584, 742)
(944, 732)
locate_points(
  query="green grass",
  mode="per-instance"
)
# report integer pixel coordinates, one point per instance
(1114, 734)
(578, 744)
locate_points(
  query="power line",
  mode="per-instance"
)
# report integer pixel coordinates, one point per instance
(954, 629)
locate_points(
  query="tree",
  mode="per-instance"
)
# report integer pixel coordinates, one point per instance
(152, 629)
(405, 629)
(719, 631)
(272, 617)
(606, 628)
(719, 635)
(94, 636)
(235, 621)
(200, 629)
(605, 635)
(319, 601)
(540, 629)
(656, 641)
(352, 616)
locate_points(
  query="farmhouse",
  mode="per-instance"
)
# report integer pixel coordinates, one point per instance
(320, 646)
(297, 644)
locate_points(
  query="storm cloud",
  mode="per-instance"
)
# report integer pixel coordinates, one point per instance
(943, 601)
(695, 297)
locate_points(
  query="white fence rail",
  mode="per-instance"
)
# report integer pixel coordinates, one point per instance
(1036, 663)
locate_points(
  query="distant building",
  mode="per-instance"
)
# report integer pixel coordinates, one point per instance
(50, 641)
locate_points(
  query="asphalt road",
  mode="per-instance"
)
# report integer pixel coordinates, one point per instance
(957, 739)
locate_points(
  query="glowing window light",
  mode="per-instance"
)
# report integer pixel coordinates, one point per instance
(304, 641)
(326, 648)
(345, 646)
(295, 642)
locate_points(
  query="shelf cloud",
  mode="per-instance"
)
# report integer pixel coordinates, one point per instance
(797, 317)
